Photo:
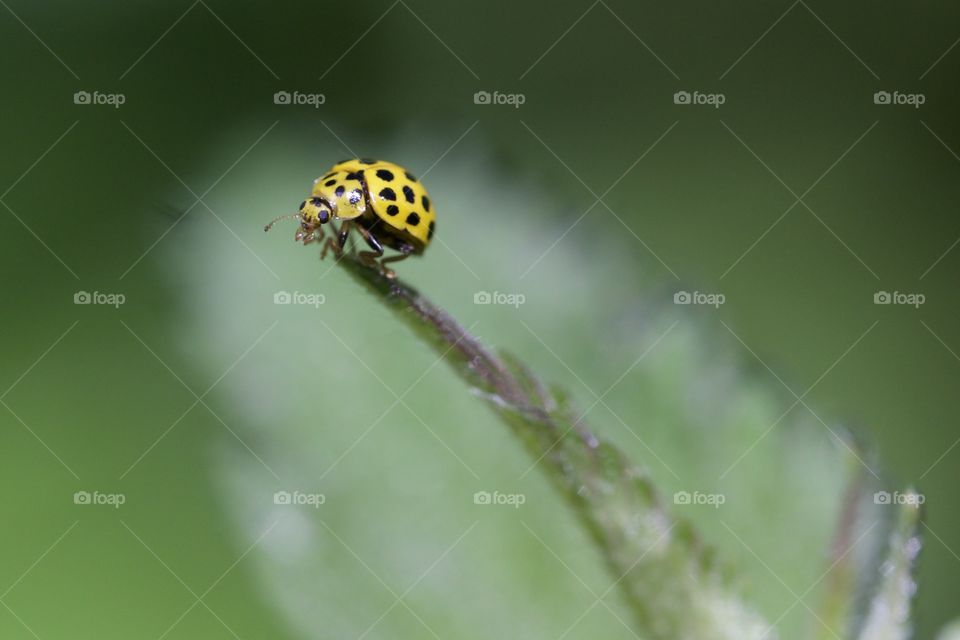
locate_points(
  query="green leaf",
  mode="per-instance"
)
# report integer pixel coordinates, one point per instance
(669, 577)
(888, 616)
(950, 632)
(694, 412)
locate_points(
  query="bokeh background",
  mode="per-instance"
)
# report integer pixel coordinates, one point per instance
(598, 199)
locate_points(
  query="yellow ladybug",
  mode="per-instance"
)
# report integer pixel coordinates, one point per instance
(382, 201)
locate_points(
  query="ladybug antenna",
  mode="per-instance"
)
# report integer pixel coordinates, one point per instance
(278, 219)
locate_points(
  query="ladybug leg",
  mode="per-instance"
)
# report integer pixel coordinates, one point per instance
(327, 246)
(405, 252)
(369, 258)
(336, 244)
(342, 235)
(315, 236)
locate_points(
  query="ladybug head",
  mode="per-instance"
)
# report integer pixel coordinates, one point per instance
(312, 214)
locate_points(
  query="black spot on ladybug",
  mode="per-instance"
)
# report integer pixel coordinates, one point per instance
(355, 175)
(329, 183)
(367, 161)
(302, 205)
(388, 194)
(430, 233)
(355, 196)
(426, 203)
(316, 201)
(324, 216)
(329, 175)
(408, 194)
(410, 176)
(413, 219)
(385, 175)
(393, 210)
(339, 191)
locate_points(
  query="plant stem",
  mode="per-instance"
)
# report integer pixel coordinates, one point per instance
(669, 578)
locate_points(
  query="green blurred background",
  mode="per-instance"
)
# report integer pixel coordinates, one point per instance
(198, 397)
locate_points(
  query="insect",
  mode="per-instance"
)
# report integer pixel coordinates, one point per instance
(381, 201)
